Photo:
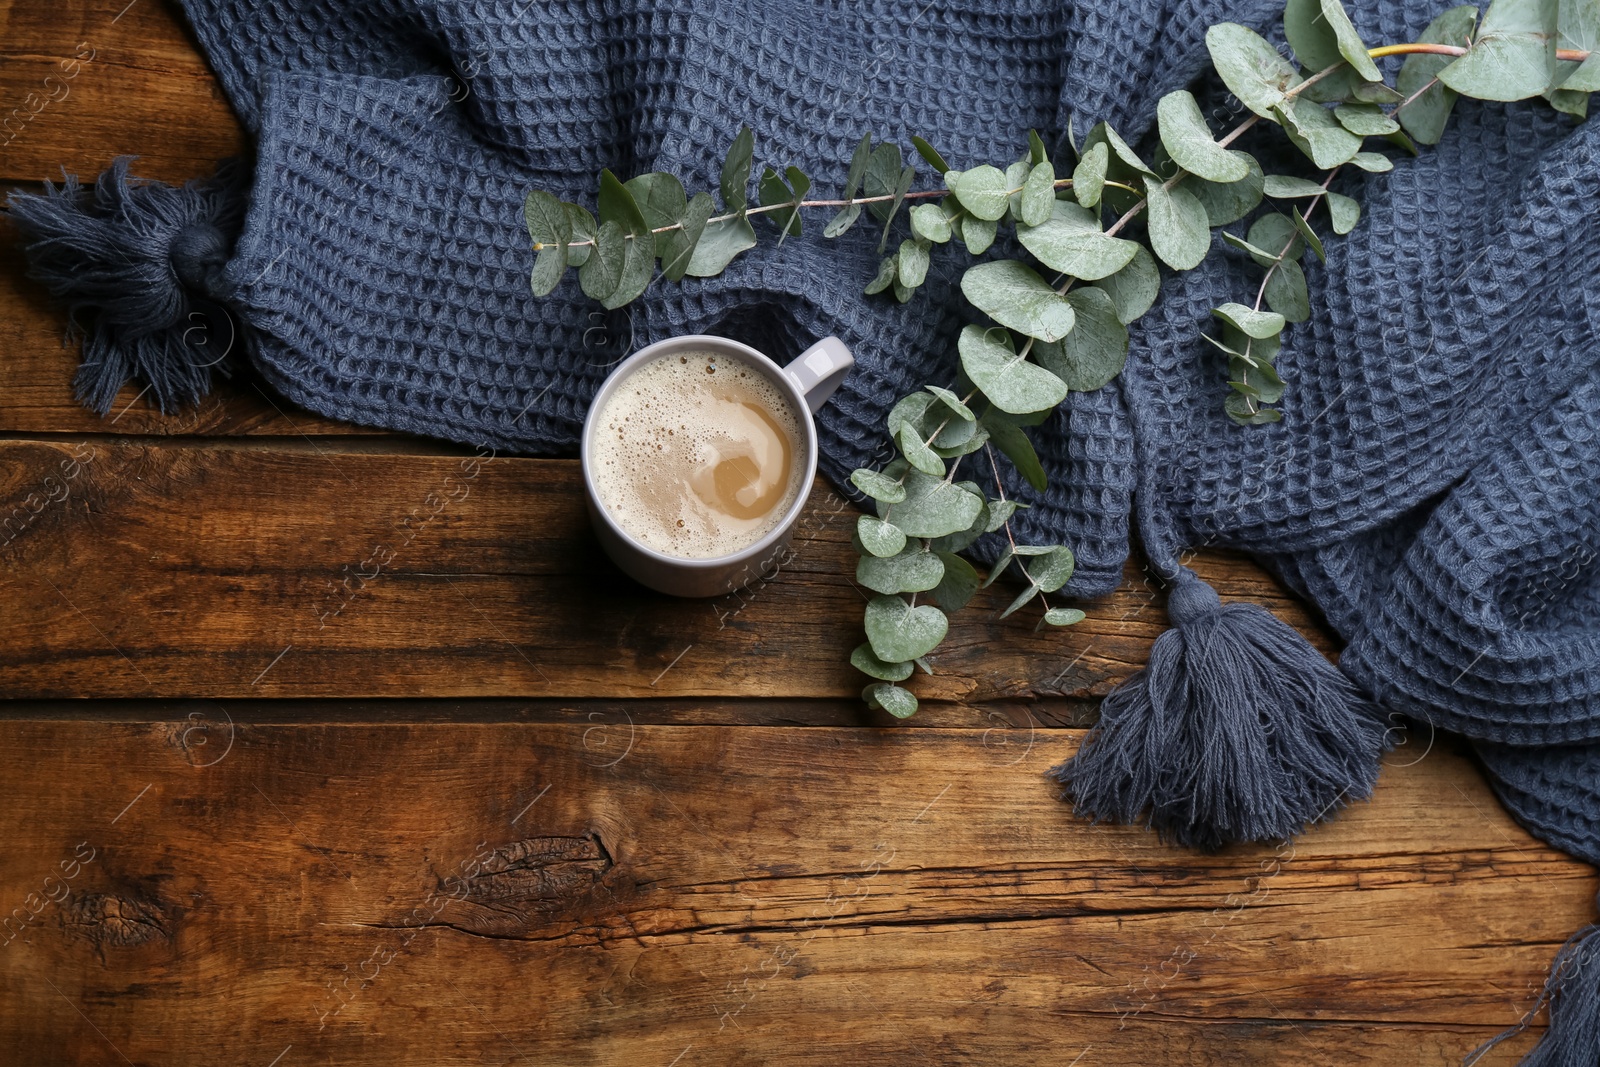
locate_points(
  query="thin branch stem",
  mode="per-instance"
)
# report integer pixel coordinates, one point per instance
(1566, 55)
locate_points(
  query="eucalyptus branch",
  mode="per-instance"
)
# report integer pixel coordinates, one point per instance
(1035, 340)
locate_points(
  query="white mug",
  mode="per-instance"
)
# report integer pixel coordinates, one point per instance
(806, 383)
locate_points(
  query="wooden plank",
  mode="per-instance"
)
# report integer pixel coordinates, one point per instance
(82, 83)
(512, 893)
(168, 571)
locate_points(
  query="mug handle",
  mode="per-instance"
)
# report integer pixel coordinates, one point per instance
(818, 371)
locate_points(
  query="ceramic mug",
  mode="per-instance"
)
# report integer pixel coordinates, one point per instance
(806, 383)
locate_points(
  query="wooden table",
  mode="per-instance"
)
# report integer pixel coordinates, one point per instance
(495, 804)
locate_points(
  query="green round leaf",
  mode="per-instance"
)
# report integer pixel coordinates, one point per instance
(548, 268)
(1070, 241)
(899, 632)
(1250, 67)
(978, 234)
(863, 660)
(891, 698)
(1134, 288)
(1014, 295)
(951, 402)
(1252, 323)
(583, 229)
(958, 585)
(1344, 211)
(1230, 202)
(736, 172)
(1180, 229)
(1089, 177)
(718, 244)
(1008, 380)
(1038, 195)
(1425, 117)
(1286, 292)
(1189, 142)
(1513, 56)
(911, 571)
(917, 452)
(547, 218)
(929, 222)
(982, 191)
(1097, 348)
(1051, 570)
(879, 537)
(1058, 617)
(913, 265)
(1313, 129)
(1283, 187)
(1365, 120)
(878, 486)
(932, 507)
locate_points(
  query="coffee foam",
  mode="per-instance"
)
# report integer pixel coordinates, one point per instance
(697, 455)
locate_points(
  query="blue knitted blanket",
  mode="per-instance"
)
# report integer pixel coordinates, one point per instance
(1432, 487)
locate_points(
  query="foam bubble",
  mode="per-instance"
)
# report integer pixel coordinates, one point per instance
(697, 455)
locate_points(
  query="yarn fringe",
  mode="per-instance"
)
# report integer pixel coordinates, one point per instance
(1573, 993)
(1237, 730)
(141, 268)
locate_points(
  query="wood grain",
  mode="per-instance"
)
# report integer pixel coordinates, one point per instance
(526, 893)
(85, 81)
(176, 571)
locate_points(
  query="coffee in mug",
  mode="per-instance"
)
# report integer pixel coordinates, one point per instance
(697, 454)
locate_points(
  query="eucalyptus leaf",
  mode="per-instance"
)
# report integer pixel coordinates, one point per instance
(910, 410)
(719, 243)
(885, 276)
(1250, 67)
(1277, 236)
(1134, 288)
(1062, 617)
(678, 253)
(549, 267)
(1372, 162)
(1425, 116)
(913, 266)
(1313, 129)
(955, 542)
(951, 402)
(600, 276)
(1038, 195)
(1365, 120)
(583, 229)
(1348, 41)
(903, 186)
(1310, 235)
(1097, 348)
(1283, 187)
(933, 507)
(1089, 176)
(1007, 379)
(1051, 569)
(1513, 55)
(1071, 241)
(1180, 230)
(1122, 152)
(930, 154)
(661, 201)
(912, 571)
(929, 222)
(978, 234)
(879, 486)
(547, 219)
(983, 192)
(773, 190)
(1250, 322)
(891, 698)
(1286, 291)
(1188, 140)
(956, 588)
(1344, 212)
(878, 537)
(1232, 201)
(899, 632)
(883, 175)
(1016, 447)
(863, 660)
(917, 452)
(736, 173)
(1013, 294)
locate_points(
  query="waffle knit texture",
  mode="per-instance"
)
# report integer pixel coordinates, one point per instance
(1432, 487)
